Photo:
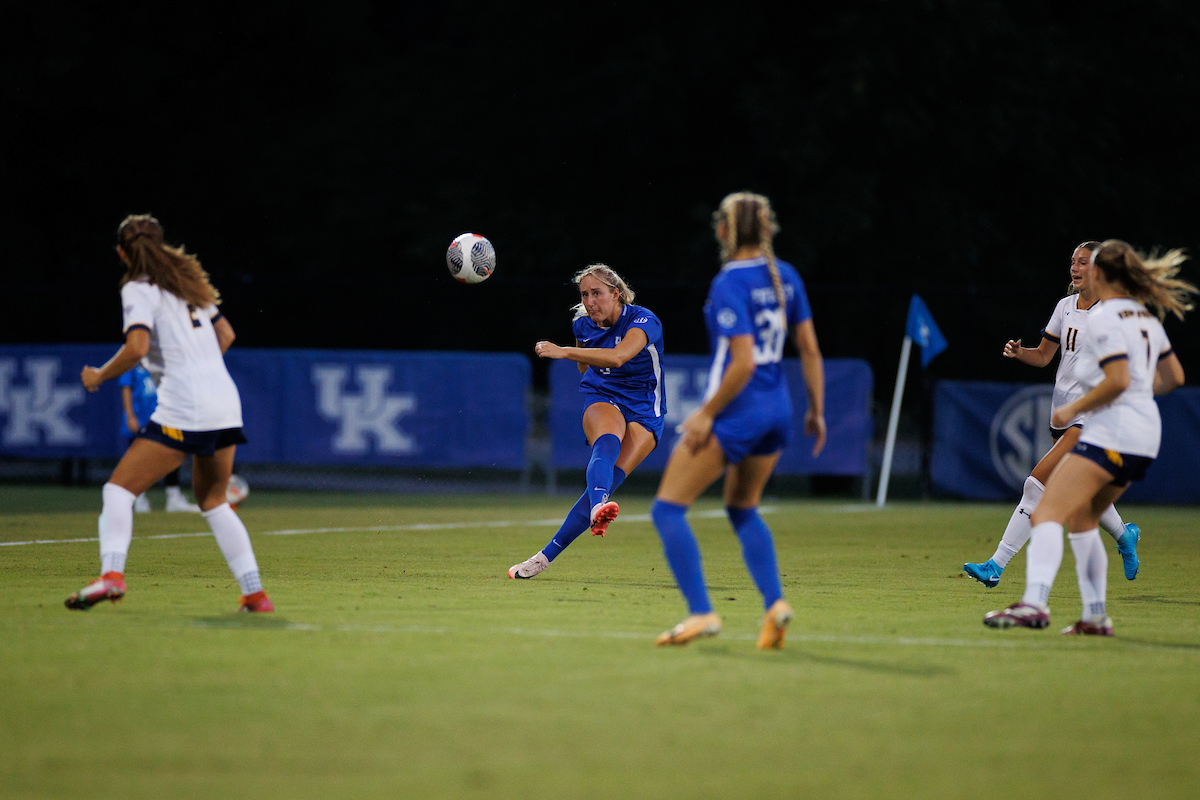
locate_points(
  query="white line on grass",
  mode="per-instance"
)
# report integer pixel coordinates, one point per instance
(421, 526)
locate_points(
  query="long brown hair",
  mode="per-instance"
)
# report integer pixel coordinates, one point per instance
(1149, 279)
(140, 237)
(749, 221)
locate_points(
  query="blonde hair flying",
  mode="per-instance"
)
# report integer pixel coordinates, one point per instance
(1149, 279)
(140, 237)
(608, 276)
(748, 221)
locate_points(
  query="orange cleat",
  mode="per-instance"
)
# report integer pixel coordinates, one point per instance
(602, 515)
(697, 626)
(774, 625)
(257, 603)
(109, 586)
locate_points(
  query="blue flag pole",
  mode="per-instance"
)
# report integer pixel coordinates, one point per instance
(921, 327)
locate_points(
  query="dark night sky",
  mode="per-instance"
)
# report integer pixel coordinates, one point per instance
(320, 157)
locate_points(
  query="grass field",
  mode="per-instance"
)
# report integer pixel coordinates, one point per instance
(403, 663)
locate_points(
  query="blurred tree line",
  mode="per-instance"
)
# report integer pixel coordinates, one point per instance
(320, 157)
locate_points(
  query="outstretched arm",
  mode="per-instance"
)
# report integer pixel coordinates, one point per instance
(635, 340)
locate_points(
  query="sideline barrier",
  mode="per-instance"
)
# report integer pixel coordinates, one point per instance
(298, 406)
(987, 437)
(848, 386)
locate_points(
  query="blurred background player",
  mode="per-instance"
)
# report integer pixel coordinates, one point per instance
(746, 419)
(170, 315)
(139, 397)
(619, 350)
(1063, 330)
(1124, 359)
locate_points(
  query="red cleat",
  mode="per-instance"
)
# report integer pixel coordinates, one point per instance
(109, 586)
(602, 515)
(1085, 628)
(257, 603)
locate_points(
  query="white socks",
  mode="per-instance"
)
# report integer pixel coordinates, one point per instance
(234, 541)
(1112, 523)
(1018, 530)
(1044, 557)
(116, 527)
(1091, 565)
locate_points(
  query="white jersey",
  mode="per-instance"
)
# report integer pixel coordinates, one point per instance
(1064, 328)
(1121, 328)
(195, 392)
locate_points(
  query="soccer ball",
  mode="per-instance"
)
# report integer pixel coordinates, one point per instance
(236, 490)
(471, 258)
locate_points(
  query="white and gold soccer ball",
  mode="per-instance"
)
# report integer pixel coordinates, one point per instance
(237, 490)
(471, 258)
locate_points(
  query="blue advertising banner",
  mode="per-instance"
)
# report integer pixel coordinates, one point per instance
(987, 437)
(298, 406)
(848, 387)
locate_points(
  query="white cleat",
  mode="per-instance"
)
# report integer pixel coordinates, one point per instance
(177, 502)
(141, 503)
(527, 569)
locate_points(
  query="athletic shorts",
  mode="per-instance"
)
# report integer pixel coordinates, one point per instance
(652, 424)
(1057, 433)
(196, 443)
(1123, 467)
(753, 434)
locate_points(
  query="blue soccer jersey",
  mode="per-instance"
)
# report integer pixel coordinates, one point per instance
(742, 302)
(144, 396)
(637, 384)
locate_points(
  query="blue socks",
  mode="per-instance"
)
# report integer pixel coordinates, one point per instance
(578, 520)
(605, 450)
(682, 552)
(758, 550)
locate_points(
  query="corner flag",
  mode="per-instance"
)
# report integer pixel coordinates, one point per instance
(924, 331)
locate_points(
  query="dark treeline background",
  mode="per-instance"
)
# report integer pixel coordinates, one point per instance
(320, 157)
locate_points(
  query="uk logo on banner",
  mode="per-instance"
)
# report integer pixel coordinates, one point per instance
(35, 410)
(369, 415)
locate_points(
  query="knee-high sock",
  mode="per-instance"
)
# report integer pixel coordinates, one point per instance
(234, 541)
(578, 520)
(682, 552)
(758, 551)
(1091, 565)
(116, 527)
(600, 469)
(1112, 523)
(1044, 557)
(1017, 532)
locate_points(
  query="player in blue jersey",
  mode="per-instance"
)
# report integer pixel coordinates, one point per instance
(746, 418)
(139, 398)
(619, 350)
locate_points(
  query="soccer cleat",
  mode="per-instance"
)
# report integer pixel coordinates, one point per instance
(141, 503)
(602, 515)
(177, 502)
(1018, 615)
(774, 625)
(1084, 628)
(988, 573)
(109, 586)
(1127, 547)
(257, 603)
(530, 567)
(697, 626)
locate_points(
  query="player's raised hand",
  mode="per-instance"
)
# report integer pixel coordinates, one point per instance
(1012, 348)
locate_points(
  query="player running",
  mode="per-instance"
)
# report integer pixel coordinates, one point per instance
(1124, 359)
(619, 350)
(171, 321)
(1063, 330)
(746, 419)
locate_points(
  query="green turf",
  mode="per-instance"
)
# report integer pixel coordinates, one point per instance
(403, 663)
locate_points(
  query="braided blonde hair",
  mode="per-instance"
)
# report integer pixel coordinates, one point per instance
(748, 220)
(1149, 279)
(609, 277)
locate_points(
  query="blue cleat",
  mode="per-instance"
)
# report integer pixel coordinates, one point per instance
(988, 573)
(1127, 547)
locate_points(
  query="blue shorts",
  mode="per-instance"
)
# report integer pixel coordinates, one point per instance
(755, 433)
(1124, 468)
(196, 443)
(652, 424)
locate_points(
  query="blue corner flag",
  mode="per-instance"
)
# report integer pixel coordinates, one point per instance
(924, 331)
